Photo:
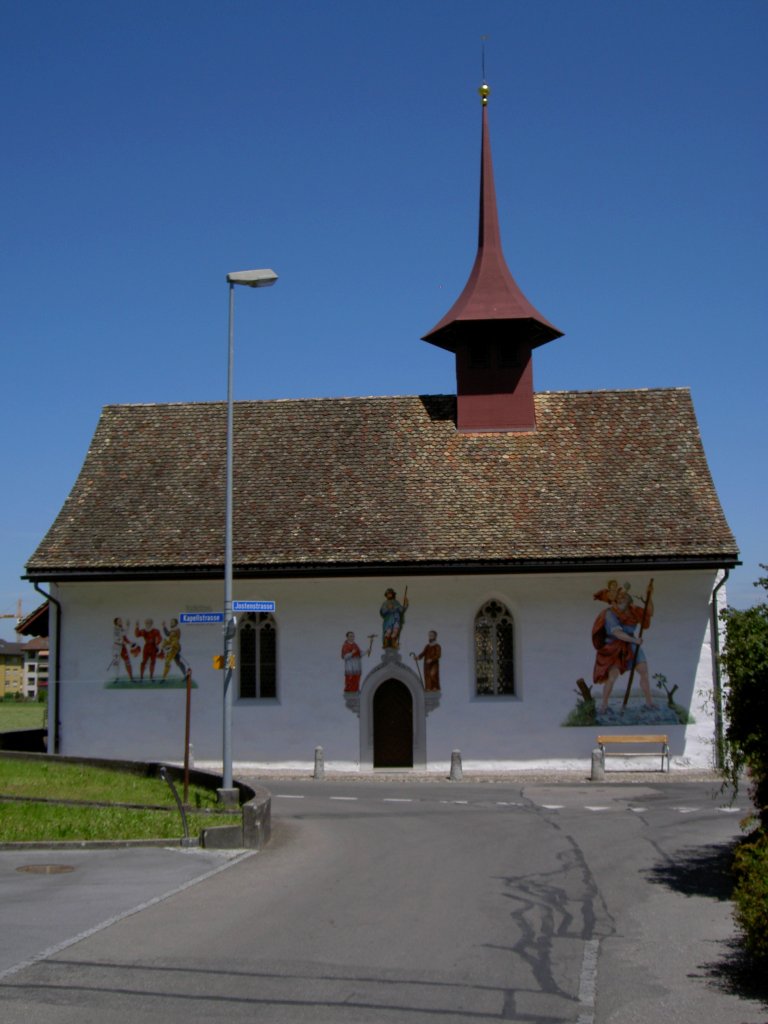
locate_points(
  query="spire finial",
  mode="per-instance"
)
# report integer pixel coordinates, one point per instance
(485, 89)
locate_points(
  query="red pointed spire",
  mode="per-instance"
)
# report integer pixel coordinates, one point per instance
(492, 327)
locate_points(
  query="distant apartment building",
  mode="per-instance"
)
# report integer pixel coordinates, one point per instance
(35, 654)
(24, 663)
(11, 668)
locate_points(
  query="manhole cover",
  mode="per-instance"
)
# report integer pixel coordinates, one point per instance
(46, 869)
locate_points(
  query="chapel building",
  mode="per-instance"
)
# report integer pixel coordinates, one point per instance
(501, 572)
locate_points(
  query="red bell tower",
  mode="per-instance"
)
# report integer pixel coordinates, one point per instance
(492, 328)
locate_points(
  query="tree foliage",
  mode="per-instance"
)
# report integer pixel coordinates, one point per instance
(745, 659)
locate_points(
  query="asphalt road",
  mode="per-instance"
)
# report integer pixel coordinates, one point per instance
(395, 902)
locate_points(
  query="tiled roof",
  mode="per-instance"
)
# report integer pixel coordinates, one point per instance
(11, 649)
(36, 623)
(38, 644)
(323, 484)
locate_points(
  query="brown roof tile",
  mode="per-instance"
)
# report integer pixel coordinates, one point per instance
(328, 483)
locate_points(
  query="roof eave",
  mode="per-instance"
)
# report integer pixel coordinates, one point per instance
(598, 563)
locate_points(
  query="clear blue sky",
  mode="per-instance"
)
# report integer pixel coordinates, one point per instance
(149, 147)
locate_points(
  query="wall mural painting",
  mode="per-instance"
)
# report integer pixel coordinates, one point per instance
(392, 613)
(431, 657)
(145, 657)
(353, 661)
(618, 637)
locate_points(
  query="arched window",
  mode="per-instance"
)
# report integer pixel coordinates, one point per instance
(257, 660)
(494, 650)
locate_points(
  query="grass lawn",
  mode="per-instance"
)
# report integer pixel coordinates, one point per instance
(25, 822)
(16, 715)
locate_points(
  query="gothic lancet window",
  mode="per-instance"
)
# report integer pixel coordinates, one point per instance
(257, 656)
(494, 650)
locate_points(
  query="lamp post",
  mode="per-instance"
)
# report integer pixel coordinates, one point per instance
(251, 279)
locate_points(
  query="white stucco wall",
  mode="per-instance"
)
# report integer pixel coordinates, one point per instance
(553, 616)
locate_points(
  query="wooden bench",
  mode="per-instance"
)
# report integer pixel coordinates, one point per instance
(624, 740)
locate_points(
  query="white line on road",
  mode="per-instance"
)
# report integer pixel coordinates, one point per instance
(597, 807)
(588, 982)
(397, 800)
(343, 798)
(288, 796)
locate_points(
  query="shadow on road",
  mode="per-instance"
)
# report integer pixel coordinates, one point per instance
(706, 871)
(701, 871)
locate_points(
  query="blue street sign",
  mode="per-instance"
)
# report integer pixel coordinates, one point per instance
(253, 606)
(198, 618)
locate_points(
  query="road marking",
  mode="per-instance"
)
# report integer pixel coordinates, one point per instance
(588, 982)
(595, 808)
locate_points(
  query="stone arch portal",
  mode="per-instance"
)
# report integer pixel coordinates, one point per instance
(389, 695)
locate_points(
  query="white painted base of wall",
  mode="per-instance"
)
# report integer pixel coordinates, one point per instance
(680, 766)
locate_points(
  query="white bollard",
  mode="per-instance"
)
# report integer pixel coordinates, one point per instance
(457, 773)
(598, 766)
(319, 763)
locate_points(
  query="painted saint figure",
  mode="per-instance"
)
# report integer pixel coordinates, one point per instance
(392, 618)
(353, 665)
(616, 636)
(152, 641)
(172, 648)
(121, 646)
(431, 656)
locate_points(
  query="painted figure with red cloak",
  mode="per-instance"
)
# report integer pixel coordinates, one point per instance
(152, 642)
(431, 656)
(353, 664)
(617, 635)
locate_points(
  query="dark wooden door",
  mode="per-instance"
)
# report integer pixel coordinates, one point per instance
(392, 726)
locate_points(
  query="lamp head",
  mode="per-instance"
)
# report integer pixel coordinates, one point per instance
(253, 278)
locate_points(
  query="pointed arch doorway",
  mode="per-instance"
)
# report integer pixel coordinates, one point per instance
(392, 725)
(393, 709)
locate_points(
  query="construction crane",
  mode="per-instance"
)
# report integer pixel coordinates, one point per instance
(19, 614)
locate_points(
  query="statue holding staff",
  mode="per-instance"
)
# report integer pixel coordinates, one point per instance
(392, 614)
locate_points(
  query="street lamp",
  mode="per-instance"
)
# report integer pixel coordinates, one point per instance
(252, 279)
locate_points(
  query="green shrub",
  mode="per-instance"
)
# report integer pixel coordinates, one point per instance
(750, 896)
(745, 659)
